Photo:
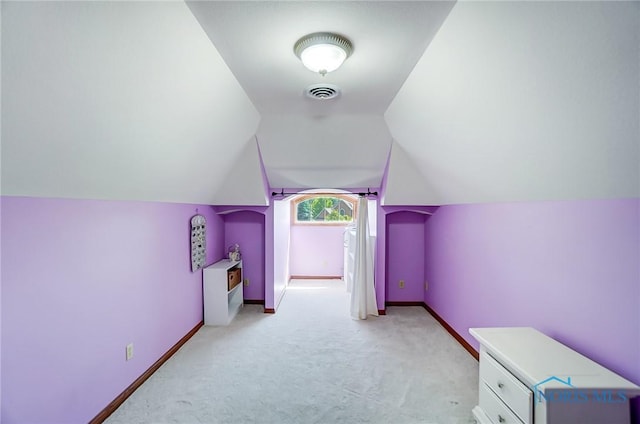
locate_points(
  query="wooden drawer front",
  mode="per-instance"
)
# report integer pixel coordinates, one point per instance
(235, 276)
(495, 409)
(508, 388)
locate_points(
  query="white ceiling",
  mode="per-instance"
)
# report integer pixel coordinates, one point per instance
(167, 101)
(256, 38)
(309, 143)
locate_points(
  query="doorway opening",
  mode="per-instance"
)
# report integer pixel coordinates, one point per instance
(312, 234)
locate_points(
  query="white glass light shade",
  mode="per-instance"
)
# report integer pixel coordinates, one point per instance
(323, 51)
(323, 57)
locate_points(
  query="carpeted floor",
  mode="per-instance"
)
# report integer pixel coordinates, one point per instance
(311, 363)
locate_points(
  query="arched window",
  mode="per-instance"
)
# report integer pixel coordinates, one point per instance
(324, 209)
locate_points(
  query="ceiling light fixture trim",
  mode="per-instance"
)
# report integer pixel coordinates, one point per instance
(323, 52)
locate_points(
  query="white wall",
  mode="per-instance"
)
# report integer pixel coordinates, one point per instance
(344, 151)
(116, 100)
(281, 243)
(524, 101)
(244, 184)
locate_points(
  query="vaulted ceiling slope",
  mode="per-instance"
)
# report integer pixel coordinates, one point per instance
(117, 100)
(155, 101)
(517, 101)
(308, 143)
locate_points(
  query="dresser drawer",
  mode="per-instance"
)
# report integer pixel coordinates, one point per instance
(495, 409)
(509, 389)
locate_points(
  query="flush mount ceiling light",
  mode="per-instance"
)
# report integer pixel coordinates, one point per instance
(323, 52)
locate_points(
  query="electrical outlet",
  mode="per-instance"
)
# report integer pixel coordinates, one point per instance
(426, 285)
(246, 281)
(129, 351)
(401, 284)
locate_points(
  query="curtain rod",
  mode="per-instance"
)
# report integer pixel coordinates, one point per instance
(284, 193)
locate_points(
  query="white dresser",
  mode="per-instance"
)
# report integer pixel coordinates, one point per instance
(527, 377)
(220, 304)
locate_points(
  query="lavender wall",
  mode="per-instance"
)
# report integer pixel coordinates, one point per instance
(247, 228)
(80, 280)
(405, 256)
(380, 272)
(317, 250)
(1, 297)
(568, 268)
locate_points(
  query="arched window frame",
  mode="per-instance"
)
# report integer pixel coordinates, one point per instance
(352, 200)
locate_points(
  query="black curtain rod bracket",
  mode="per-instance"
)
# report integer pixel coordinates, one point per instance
(283, 193)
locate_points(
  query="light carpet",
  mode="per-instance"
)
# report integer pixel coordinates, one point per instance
(311, 363)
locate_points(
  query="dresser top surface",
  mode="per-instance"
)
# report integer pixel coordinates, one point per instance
(537, 357)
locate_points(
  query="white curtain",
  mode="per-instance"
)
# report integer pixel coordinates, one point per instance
(363, 294)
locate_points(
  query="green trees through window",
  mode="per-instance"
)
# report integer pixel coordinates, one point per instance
(324, 209)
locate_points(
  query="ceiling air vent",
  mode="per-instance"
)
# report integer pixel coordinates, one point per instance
(323, 91)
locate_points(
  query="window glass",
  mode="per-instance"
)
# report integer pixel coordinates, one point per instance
(324, 209)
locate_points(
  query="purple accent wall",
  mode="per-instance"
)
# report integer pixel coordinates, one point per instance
(405, 256)
(80, 280)
(1, 201)
(568, 268)
(380, 271)
(247, 228)
(317, 250)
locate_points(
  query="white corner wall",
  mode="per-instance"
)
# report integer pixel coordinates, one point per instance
(244, 183)
(524, 101)
(116, 100)
(281, 247)
(405, 184)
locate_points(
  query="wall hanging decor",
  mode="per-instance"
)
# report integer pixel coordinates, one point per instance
(198, 242)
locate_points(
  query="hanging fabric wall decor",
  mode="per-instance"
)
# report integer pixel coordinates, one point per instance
(198, 242)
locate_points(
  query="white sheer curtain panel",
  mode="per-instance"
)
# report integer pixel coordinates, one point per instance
(363, 294)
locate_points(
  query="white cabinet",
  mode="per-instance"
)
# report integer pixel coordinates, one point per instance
(220, 303)
(527, 377)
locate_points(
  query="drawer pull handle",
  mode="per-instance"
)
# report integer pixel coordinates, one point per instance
(500, 419)
(500, 385)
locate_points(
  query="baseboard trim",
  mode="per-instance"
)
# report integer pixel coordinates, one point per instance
(316, 277)
(119, 400)
(404, 303)
(269, 311)
(253, 302)
(453, 332)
